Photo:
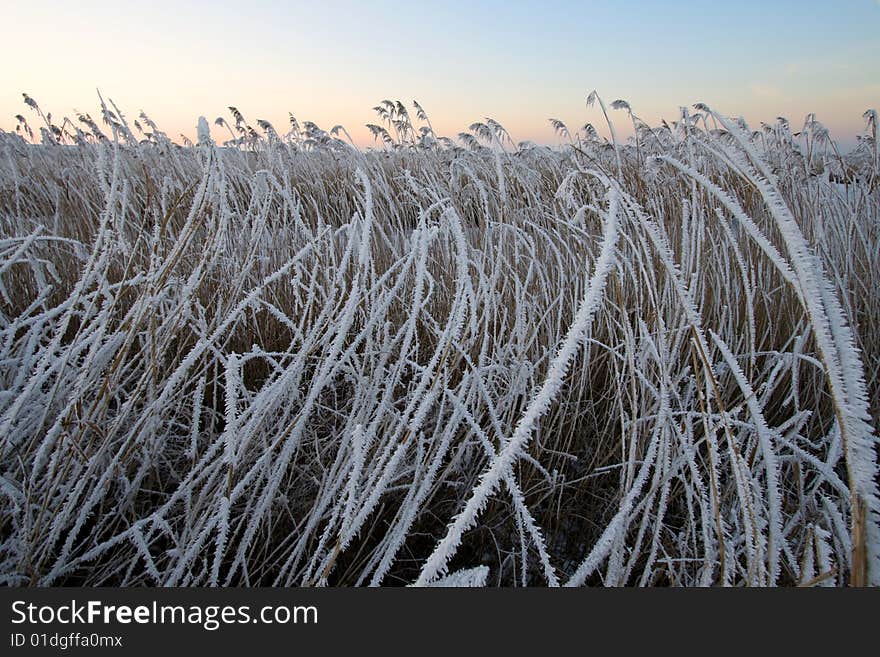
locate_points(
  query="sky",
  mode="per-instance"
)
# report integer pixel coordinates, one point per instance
(519, 63)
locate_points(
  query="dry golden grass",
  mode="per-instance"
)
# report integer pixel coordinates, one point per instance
(285, 361)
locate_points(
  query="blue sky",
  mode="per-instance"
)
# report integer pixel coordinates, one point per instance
(518, 62)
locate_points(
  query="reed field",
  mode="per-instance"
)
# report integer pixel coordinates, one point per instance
(270, 358)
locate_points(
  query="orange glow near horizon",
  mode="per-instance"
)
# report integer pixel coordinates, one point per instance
(520, 63)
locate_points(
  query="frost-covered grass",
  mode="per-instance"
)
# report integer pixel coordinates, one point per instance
(284, 361)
